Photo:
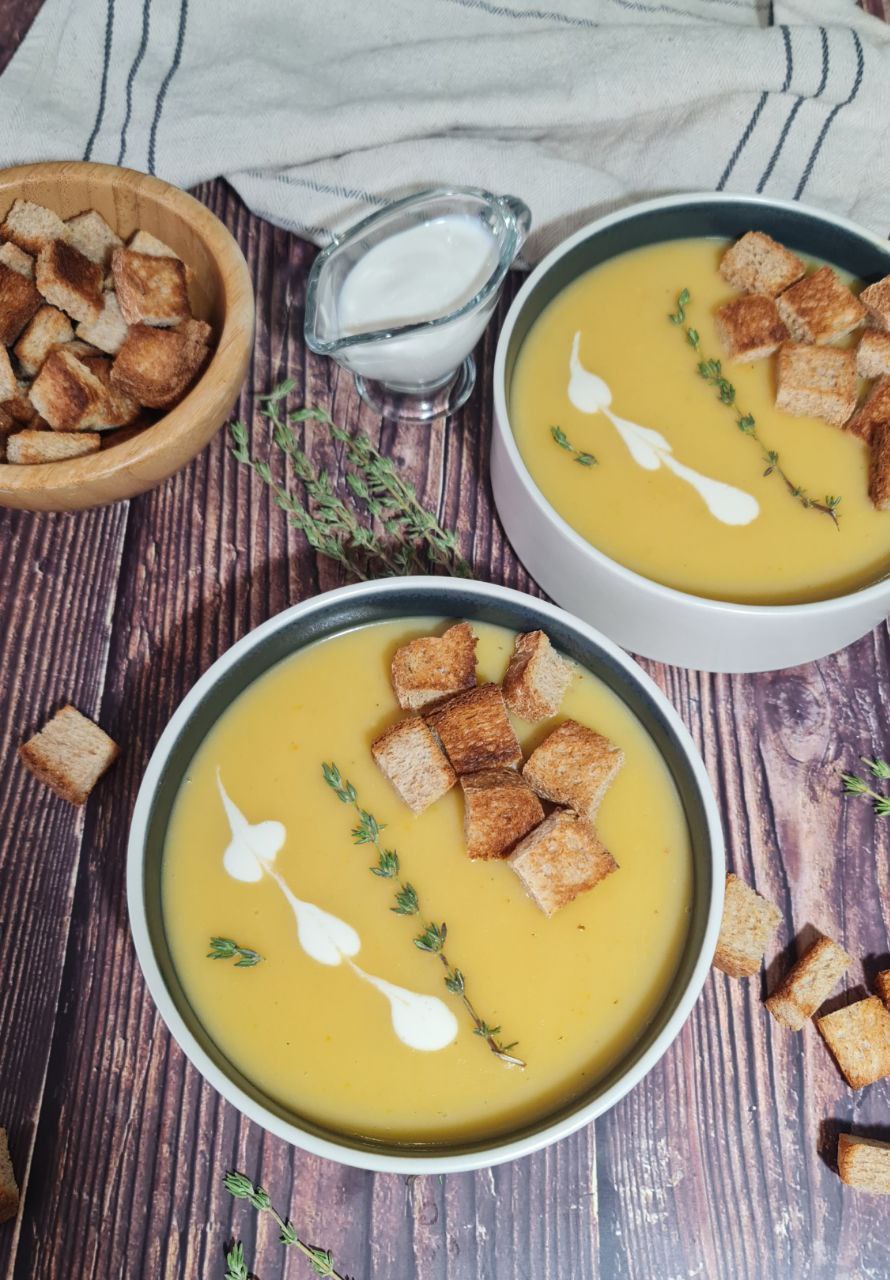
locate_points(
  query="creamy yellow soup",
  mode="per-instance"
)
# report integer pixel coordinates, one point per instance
(652, 521)
(575, 991)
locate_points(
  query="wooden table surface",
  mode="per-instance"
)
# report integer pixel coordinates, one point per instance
(720, 1165)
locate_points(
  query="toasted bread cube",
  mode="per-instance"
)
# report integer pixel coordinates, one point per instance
(876, 300)
(31, 226)
(17, 260)
(109, 332)
(91, 235)
(758, 264)
(68, 395)
(69, 754)
(19, 300)
(475, 730)
(144, 242)
(432, 668)
(31, 446)
(8, 382)
(70, 281)
(196, 331)
(536, 678)
(879, 467)
(816, 382)
(19, 406)
(574, 766)
(414, 762)
(859, 1038)
(749, 921)
(156, 366)
(882, 986)
(864, 1163)
(121, 410)
(9, 1192)
(873, 413)
(49, 328)
(151, 290)
(808, 983)
(499, 809)
(819, 308)
(750, 327)
(562, 857)
(873, 354)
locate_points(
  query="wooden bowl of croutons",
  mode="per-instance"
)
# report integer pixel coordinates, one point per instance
(126, 324)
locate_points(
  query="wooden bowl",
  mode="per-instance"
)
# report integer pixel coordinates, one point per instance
(220, 292)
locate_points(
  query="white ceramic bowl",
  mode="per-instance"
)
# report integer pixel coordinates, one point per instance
(330, 614)
(644, 616)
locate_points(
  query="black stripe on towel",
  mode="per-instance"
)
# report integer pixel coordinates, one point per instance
(134, 69)
(777, 150)
(758, 110)
(162, 92)
(857, 84)
(103, 88)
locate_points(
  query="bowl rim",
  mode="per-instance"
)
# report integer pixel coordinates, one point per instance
(225, 368)
(658, 591)
(499, 1149)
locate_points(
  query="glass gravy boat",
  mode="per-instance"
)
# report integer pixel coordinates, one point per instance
(422, 369)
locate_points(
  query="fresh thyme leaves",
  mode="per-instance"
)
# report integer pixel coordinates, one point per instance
(226, 949)
(412, 540)
(583, 459)
(432, 936)
(712, 372)
(321, 1260)
(856, 786)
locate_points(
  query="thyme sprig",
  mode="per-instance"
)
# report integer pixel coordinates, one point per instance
(431, 937)
(712, 372)
(856, 786)
(583, 459)
(320, 1260)
(226, 949)
(413, 539)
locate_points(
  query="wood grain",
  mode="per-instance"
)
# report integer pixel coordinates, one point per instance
(717, 1167)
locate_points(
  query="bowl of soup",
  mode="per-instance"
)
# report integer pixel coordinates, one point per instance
(298, 988)
(621, 476)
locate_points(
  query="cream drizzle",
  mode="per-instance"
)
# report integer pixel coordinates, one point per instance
(420, 1021)
(650, 450)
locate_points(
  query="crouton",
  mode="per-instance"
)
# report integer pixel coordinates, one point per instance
(749, 921)
(536, 678)
(873, 412)
(72, 397)
(499, 809)
(759, 264)
(156, 366)
(876, 300)
(9, 1192)
(196, 331)
(150, 290)
(69, 754)
(91, 235)
(48, 328)
(879, 467)
(750, 327)
(816, 382)
(144, 242)
(7, 426)
(414, 763)
(819, 308)
(13, 257)
(859, 1038)
(873, 354)
(19, 406)
(8, 382)
(882, 986)
(432, 668)
(808, 983)
(30, 447)
(19, 300)
(31, 226)
(574, 766)
(475, 730)
(109, 332)
(121, 410)
(562, 857)
(864, 1163)
(70, 281)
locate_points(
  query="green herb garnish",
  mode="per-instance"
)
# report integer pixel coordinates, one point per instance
(856, 786)
(240, 1186)
(712, 372)
(226, 949)
(583, 459)
(432, 936)
(412, 539)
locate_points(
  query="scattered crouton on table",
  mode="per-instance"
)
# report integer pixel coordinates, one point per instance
(749, 921)
(858, 1036)
(69, 754)
(882, 986)
(808, 983)
(864, 1163)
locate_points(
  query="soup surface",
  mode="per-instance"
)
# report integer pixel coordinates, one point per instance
(575, 991)
(654, 521)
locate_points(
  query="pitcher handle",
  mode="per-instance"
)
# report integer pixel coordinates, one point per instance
(520, 214)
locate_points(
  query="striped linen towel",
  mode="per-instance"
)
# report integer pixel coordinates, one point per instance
(320, 112)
